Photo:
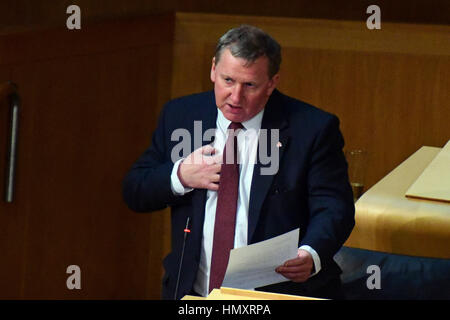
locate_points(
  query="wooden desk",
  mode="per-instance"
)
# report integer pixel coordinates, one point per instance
(239, 294)
(387, 221)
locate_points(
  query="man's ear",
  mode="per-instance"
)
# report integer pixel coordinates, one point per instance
(273, 84)
(213, 70)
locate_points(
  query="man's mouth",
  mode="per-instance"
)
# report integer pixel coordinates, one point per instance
(234, 109)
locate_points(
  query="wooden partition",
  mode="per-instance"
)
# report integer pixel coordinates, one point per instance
(90, 101)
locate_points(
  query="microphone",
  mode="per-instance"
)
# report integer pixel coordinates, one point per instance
(186, 231)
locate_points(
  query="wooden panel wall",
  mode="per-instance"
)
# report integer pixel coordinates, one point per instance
(19, 14)
(389, 87)
(90, 100)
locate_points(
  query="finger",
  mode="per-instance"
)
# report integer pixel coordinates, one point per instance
(213, 159)
(209, 160)
(212, 186)
(296, 277)
(293, 274)
(294, 262)
(207, 150)
(294, 269)
(198, 156)
(215, 178)
(215, 168)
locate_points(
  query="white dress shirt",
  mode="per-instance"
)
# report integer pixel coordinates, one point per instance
(247, 150)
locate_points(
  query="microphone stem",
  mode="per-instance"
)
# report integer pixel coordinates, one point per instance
(186, 230)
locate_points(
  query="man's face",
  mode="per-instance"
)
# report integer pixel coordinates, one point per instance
(241, 89)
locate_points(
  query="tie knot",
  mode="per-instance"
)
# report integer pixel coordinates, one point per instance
(235, 126)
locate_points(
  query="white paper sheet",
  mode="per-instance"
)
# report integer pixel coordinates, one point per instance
(254, 266)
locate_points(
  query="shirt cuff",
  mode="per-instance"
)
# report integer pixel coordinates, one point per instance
(175, 183)
(316, 258)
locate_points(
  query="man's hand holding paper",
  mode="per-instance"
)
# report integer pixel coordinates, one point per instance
(255, 265)
(298, 269)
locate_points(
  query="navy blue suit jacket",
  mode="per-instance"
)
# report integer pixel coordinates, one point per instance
(310, 191)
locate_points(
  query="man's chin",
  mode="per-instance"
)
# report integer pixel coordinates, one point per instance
(234, 114)
(234, 117)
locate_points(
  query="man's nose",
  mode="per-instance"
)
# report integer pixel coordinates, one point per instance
(236, 94)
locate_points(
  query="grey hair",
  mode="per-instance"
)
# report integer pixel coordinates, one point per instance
(250, 43)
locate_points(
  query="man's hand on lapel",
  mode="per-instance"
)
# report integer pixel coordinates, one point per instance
(201, 169)
(298, 269)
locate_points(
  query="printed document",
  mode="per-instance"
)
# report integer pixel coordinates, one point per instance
(254, 266)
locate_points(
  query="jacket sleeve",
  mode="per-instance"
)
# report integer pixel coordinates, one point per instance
(146, 187)
(330, 200)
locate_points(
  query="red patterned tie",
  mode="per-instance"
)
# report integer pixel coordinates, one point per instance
(227, 197)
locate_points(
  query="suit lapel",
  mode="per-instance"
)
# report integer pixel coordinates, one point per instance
(208, 118)
(274, 118)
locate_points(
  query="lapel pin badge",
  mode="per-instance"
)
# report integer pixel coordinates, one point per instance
(279, 145)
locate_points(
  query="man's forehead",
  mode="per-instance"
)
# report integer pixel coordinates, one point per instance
(231, 64)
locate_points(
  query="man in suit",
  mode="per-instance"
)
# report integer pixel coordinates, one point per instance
(238, 200)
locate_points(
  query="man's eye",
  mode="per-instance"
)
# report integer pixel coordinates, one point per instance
(228, 80)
